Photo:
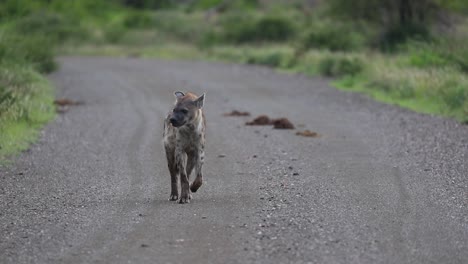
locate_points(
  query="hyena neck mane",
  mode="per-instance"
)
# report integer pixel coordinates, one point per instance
(195, 126)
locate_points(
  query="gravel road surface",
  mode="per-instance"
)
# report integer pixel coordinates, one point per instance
(380, 185)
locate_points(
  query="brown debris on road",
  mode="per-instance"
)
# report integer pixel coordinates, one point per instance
(282, 123)
(308, 133)
(262, 120)
(63, 104)
(237, 113)
(66, 101)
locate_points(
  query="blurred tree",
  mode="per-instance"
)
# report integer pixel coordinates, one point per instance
(403, 12)
(399, 19)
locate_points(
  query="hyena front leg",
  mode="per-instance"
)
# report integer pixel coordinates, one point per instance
(173, 171)
(197, 183)
(181, 161)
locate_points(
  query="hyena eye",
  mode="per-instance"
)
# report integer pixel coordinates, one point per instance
(184, 111)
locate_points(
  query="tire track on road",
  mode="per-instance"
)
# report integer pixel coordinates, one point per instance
(126, 214)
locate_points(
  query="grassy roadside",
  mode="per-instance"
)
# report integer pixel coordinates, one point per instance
(26, 96)
(26, 105)
(30, 32)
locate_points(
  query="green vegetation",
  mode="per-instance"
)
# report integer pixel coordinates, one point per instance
(25, 105)
(27, 38)
(410, 53)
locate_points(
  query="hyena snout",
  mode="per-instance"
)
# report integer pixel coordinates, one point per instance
(173, 121)
(177, 121)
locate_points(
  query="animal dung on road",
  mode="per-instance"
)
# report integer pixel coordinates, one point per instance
(64, 103)
(308, 133)
(282, 123)
(262, 120)
(237, 113)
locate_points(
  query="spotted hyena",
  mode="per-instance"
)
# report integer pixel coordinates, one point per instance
(184, 142)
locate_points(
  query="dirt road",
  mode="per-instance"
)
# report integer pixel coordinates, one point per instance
(381, 184)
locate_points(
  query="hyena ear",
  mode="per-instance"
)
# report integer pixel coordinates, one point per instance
(200, 101)
(179, 94)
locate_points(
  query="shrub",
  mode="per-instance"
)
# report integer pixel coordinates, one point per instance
(39, 52)
(398, 34)
(455, 50)
(244, 29)
(273, 29)
(24, 96)
(401, 89)
(114, 33)
(52, 25)
(454, 95)
(448, 51)
(223, 5)
(271, 59)
(337, 67)
(426, 58)
(36, 50)
(237, 28)
(205, 4)
(333, 37)
(138, 20)
(152, 4)
(181, 26)
(17, 8)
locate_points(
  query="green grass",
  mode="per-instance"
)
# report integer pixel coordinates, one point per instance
(437, 90)
(169, 51)
(26, 104)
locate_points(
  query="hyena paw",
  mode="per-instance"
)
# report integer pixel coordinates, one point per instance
(173, 197)
(185, 198)
(195, 185)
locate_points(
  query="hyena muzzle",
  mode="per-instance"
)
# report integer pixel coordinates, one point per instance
(184, 142)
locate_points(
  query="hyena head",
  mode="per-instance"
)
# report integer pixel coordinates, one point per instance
(186, 108)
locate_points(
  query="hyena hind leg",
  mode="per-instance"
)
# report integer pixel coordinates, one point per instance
(197, 183)
(191, 162)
